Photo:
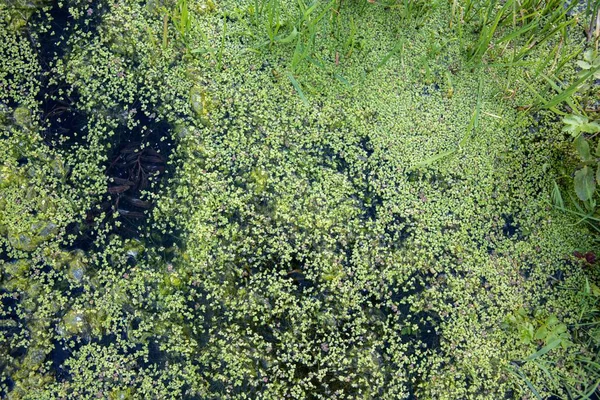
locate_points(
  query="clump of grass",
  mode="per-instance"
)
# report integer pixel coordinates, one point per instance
(516, 26)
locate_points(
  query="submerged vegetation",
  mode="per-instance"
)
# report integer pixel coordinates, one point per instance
(326, 199)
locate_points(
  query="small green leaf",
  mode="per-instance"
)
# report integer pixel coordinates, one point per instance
(583, 148)
(595, 290)
(565, 342)
(560, 329)
(598, 174)
(527, 332)
(541, 332)
(586, 287)
(598, 149)
(584, 183)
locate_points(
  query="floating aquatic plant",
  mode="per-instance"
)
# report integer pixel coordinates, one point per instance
(292, 199)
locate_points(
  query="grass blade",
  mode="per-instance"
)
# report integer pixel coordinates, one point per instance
(297, 87)
(434, 158)
(557, 199)
(550, 346)
(343, 80)
(568, 100)
(389, 55)
(521, 375)
(592, 390)
(531, 387)
(568, 92)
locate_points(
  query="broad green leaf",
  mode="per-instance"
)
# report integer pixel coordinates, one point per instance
(573, 124)
(583, 64)
(598, 149)
(584, 183)
(565, 342)
(590, 127)
(573, 119)
(583, 148)
(588, 55)
(526, 336)
(598, 174)
(560, 329)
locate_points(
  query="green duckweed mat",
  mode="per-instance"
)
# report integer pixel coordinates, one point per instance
(281, 199)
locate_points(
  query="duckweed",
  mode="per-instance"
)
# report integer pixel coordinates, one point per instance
(377, 227)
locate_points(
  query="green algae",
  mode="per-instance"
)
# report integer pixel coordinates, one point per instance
(299, 249)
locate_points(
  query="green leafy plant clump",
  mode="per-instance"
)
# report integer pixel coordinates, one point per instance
(307, 199)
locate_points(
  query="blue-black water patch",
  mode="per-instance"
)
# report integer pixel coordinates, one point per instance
(556, 277)
(510, 228)
(63, 124)
(53, 42)
(7, 384)
(366, 145)
(59, 354)
(200, 315)
(430, 89)
(334, 159)
(155, 355)
(299, 280)
(9, 311)
(397, 230)
(4, 255)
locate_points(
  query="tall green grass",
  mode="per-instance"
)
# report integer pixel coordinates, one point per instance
(518, 26)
